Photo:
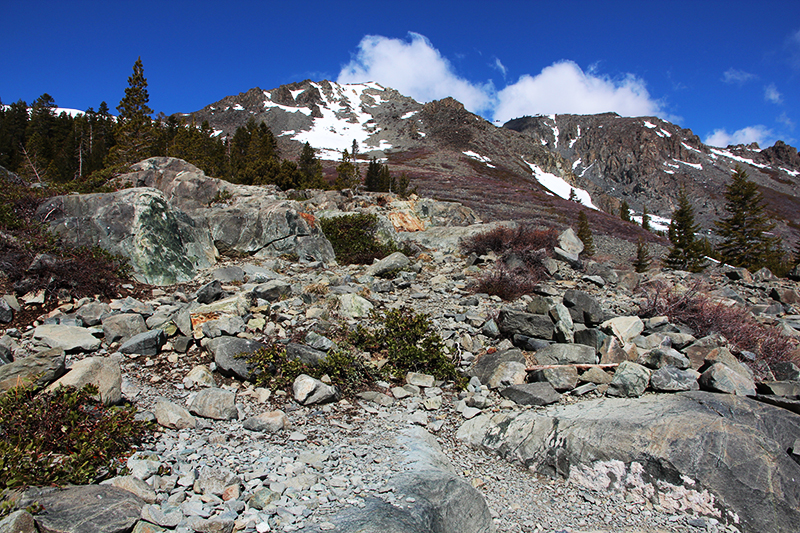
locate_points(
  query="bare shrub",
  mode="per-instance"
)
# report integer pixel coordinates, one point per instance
(697, 311)
(505, 283)
(503, 239)
(520, 266)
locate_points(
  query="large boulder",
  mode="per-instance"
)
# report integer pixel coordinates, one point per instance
(714, 454)
(241, 218)
(230, 355)
(39, 370)
(163, 244)
(102, 372)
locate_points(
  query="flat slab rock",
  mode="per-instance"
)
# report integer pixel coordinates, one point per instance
(725, 452)
(86, 509)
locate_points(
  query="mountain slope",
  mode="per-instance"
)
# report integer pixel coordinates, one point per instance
(525, 170)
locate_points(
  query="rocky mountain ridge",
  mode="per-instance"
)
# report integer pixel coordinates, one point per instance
(526, 168)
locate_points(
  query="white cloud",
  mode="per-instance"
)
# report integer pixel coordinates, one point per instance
(564, 88)
(733, 75)
(759, 134)
(500, 66)
(784, 119)
(416, 69)
(793, 44)
(771, 94)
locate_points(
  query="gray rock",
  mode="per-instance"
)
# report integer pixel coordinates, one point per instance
(390, 263)
(671, 379)
(309, 391)
(420, 380)
(724, 356)
(563, 324)
(40, 369)
(435, 500)
(68, 338)
(18, 522)
(787, 389)
(752, 478)
(181, 344)
(612, 351)
(229, 274)
(86, 509)
(624, 328)
(134, 223)
(630, 380)
(596, 375)
(224, 325)
(562, 378)
(272, 290)
(506, 374)
(541, 393)
(785, 371)
(199, 375)
(664, 356)
(512, 321)
(584, 308)
(721, 378)
(319, 342)
(103, 372)
(215, 480)
(92, 313)
(269, 422)
(120, 328)
(569, 242)
(226, 351)
(306, 354)
(569, 258)
(173, 416)
(255, 223)
(6, 312)
(698, 350)
(133, 485)
(210, 292)
(219, 404)
(566, 354)
(488, 363)
(145, 343)
(354, 306)
(490, 329)
(590, 337)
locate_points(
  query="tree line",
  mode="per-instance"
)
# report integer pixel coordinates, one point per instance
(85, 150)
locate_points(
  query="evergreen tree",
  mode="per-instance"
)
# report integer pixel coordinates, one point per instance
(643, 258)
(585, 234)
(685, 253)
(573, 196)
(310, 169)
(625, 211)
(134, 131)
(373, 177)
(645, 219)
(347, 174)
(746, 239)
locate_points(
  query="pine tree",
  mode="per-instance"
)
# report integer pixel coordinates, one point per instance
(746, 239)
(645, 219)
(134, 132)
(643, 257)
(310, 169)
(585, 235)
(348, 176)
(685, 253)
(625, 211)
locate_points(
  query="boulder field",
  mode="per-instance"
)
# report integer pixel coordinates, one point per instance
(573, 381)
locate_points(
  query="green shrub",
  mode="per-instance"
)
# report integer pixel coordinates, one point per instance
(354, 239)
(63, 437)
(275, 370)
(409, 343)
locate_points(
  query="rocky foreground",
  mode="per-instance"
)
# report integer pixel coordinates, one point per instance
(580, 415)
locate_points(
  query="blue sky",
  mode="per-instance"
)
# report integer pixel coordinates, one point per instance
(730, 71)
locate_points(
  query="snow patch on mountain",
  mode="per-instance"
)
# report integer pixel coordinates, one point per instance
(344, 119)
(559, 187)
(729, 155)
